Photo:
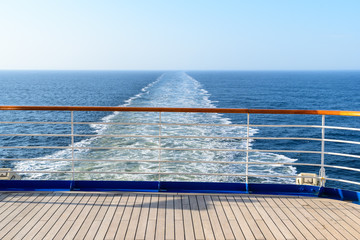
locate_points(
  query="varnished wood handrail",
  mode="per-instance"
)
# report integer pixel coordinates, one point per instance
(194, 110)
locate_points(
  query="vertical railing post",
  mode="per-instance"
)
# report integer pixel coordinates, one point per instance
(247, 150)
(72, 145)
(159, 157)
(322, 168)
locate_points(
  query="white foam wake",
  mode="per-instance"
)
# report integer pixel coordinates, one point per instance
(169, 90)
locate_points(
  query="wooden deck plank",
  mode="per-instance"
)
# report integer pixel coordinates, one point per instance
(125, 220)
(316, 219)
(172, 216)
(73, 216)
(151, 226)
(19, 213)
(286, 219)
(195, 215)
(216, 226)
(250, 221)
(160, 221)
(45, 217)
(62, 219)
(19, 231)
(23, 217)
(51, 222)
(224, 222)
(144, 214)
(179, 223)
(31, 202)
(108, 217)
(312, 226)
(208, 231)
(114, 225)
(134, 219)
(267, 219)
(188, 222)
(267, 233)
(19, 203)
(332, 218)
(346, 213)
(272, 213)
(78, 222)
(7, 200)
(3, 196)
(99, 218)
(238, 234)
(240, 218)
(333, 226)
(339, 219)
(90, 218)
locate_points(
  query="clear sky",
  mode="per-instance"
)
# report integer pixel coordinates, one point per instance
(182, 34)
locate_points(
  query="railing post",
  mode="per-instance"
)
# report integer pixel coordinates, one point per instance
(247, 150)
(72, 145)
(322, 169)
(159, 157)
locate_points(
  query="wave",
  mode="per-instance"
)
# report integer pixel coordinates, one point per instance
(169, 90)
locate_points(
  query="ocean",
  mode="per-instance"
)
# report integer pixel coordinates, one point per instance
(322, 90)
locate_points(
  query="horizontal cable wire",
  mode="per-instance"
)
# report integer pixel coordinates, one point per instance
(342, 180)
(170, 136)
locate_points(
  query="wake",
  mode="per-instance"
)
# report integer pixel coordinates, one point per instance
(142, 153)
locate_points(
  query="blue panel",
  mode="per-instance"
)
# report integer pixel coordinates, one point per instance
(34, 185)
(283, 189)
(115, 186)
(340, 194)
(203, 187)
(193, 187)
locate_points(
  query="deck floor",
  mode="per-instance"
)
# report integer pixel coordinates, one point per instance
(55, 215)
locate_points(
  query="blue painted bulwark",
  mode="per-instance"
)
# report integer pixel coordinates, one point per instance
(186, 187)
(283, 189)
(203, 187)
(340, 194)
(34, 185)
(115, 186)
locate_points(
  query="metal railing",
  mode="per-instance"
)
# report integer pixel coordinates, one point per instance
(240, 146)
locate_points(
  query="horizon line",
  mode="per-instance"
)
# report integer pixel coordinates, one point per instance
(209, 70)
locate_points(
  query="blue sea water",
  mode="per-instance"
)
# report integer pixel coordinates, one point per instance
(325, 90)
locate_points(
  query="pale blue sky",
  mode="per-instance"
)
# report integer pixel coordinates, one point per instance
(186, 35)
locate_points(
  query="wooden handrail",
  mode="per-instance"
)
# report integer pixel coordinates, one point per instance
(194, 110)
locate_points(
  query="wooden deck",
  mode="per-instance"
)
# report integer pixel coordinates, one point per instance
(55, 215)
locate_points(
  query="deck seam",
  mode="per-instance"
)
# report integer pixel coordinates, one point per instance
(308, 223)
(204, 216)
(296, 216)
(296, 232)
(119, 209)
(58, 213)
(64, 229)
(61, 217)
(276, 219)
(25, 209)
(26, 222)
(346, 212)
(105, 213)
(175, 216)
(251, 221)
(244, 226)
(341, 228)
(319, 218)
